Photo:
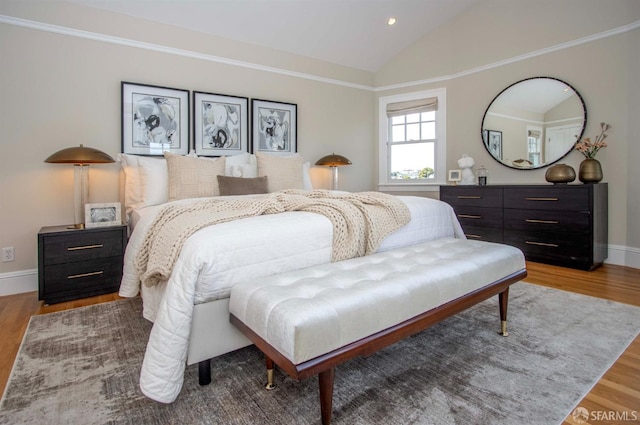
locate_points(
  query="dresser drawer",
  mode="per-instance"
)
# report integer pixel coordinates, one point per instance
(86, 277)
(546, 220)
(472, 196)
(553, 248)
(81, 246)
(559, 199)
(479, 216)
(487, 234)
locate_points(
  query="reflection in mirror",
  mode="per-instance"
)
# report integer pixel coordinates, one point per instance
(533, 123)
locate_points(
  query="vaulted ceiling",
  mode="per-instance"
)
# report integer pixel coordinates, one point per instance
(352, 33)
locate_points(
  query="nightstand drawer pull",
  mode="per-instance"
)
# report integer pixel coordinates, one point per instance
(469, 197)
(471, 236)
(553, 245)
(469, 216)
(530, 220)
(542, 199)
(76, 276)
(78, 248)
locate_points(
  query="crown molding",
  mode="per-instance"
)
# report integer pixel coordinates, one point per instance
(72, 32)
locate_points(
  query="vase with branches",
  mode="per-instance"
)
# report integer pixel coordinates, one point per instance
(590, 169)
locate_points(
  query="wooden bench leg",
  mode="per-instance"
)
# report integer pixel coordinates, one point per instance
(326, 394)
(270, 365)
(503, 299)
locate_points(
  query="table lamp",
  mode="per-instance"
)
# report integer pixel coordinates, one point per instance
(334, 161)
(80, 157)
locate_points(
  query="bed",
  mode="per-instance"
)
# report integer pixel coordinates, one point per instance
(190, 310)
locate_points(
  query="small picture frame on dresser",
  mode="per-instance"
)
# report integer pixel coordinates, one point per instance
(455, 176)
(102, 215)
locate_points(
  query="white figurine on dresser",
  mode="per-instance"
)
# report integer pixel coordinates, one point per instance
(466, 164)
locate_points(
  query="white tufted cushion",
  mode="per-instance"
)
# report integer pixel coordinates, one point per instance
(310, 312)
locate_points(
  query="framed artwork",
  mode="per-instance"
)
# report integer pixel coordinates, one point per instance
(221, 124)
(101, 215)
(455, 175)
(154, 119)
(274, 127)
(493, 139)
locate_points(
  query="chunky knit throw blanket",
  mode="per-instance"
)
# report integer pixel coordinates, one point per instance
(360, 223)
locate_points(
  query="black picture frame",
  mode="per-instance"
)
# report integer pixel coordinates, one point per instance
(220, 124)
(274, 127)
(493, 141)
(155, 119)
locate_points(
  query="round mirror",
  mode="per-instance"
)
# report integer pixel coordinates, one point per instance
(533, 123)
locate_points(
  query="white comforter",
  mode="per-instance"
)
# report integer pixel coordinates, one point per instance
(217, 257)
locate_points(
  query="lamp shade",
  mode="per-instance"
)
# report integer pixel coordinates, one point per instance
(333, 160)
(79, 155)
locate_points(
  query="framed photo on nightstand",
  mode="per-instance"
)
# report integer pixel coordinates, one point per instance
(102, 215)
(455, 176)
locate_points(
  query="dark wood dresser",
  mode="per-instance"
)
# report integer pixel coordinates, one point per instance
(79, 263)
(564, 225)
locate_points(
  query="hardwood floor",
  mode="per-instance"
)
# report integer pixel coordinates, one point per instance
(617, 392)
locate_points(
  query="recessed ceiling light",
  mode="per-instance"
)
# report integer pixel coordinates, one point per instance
(392, 21)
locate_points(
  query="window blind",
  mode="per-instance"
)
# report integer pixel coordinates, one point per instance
(412, 107)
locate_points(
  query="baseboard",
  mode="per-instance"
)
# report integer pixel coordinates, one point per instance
(27, 280)
(18, 282)
(624, 256)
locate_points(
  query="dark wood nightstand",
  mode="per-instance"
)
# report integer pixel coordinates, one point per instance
(79, 263)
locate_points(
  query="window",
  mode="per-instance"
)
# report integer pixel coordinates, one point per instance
(533, 145)
(412, 140)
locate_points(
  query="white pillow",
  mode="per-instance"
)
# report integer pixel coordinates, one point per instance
(146, 180)
(154, 180)
(241, 165)
(306, 178)
(192, 177)
(132, 191)
(283, 172)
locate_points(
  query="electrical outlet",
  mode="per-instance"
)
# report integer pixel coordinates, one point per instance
(8, 254)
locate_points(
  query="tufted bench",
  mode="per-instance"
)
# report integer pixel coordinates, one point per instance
(310, 320)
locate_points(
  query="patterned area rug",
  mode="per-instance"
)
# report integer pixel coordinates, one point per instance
(81, 367)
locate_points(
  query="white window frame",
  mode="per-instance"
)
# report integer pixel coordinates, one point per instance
(385, 183)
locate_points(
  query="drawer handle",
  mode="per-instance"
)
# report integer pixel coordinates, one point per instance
(469, 216)
(553, 245)
(530, 220)
(473, 236)
(76, 276)
(542, 199)
(78, 248)
(469, 197)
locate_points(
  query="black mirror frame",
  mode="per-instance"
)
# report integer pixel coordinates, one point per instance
(584, 123)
